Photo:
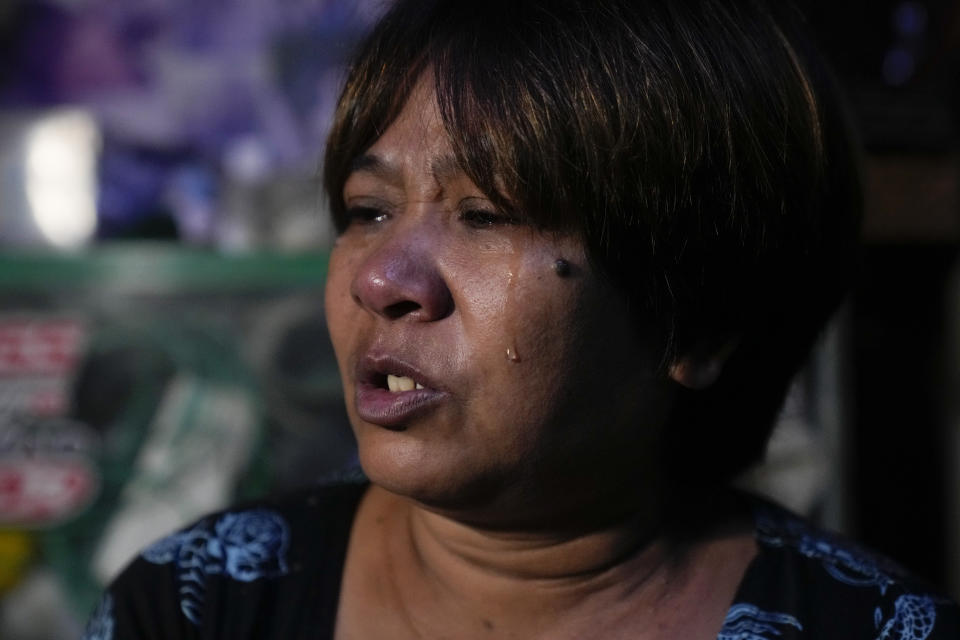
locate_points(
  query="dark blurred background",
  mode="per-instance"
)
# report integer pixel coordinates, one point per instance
(900, 65)
(163, 249)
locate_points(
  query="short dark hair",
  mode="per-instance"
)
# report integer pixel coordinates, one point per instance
(698, 147)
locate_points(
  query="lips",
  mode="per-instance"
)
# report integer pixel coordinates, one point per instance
(392, 392)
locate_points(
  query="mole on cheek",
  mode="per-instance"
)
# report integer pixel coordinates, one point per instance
(561, 267)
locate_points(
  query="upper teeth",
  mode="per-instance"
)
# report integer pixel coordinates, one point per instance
(402, 383)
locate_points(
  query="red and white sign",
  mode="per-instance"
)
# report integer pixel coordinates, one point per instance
(39, 346)
(37, 492)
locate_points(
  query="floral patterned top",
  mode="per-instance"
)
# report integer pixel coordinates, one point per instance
(273, 571)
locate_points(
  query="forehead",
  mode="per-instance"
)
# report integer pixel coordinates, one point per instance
(416, 142)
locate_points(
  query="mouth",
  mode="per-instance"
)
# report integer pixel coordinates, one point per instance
(399, 384)
(392, 393)
(393, 375)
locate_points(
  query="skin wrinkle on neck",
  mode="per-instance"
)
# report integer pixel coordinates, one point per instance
(583, 555)
(544, 580)
(658, 592)
(652, 592)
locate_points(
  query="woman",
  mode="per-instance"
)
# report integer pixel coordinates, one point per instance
(583, 247)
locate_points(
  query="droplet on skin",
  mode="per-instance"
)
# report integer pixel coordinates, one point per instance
(510, 301)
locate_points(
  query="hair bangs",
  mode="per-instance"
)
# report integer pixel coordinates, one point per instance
(503, 120)
(385, 71)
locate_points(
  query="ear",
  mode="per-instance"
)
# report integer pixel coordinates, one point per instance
(700, 370)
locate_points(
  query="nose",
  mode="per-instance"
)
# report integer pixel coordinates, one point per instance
(401, 280)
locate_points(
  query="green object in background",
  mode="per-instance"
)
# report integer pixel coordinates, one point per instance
(158, 268)
(164, 373)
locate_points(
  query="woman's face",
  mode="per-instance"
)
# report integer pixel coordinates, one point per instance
(480, 379)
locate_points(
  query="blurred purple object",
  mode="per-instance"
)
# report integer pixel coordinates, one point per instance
(176, 85)
(94, 59)
(910, 19)
(34, 56)
(133, 182)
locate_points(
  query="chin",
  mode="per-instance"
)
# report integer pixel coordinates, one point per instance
(438, 482)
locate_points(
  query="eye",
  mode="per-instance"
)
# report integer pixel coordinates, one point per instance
(365, 215)
(484, 218)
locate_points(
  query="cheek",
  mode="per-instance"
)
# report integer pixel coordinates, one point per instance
(524, 330)
(541, 311)
(338, 303)
(480, 289)
(549, 340)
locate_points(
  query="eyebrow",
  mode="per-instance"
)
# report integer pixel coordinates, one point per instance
(443, 168)
(374, 164)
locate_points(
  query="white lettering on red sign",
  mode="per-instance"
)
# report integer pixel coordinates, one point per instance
(32, 347)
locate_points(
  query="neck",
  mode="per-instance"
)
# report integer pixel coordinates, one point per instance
(538, 580)
(563, 556)
(447, 578)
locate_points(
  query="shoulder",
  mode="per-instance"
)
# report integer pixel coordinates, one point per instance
(818, 584)
(227, 568)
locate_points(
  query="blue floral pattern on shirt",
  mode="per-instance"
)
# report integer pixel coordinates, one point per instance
(100, 625)
(804, 583)
(747, 622)
(913, 616)
(913, 619)
(243, 546)
(843, 561)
